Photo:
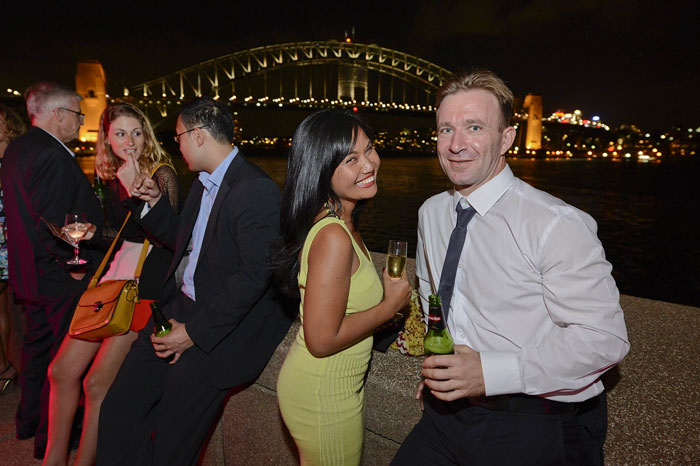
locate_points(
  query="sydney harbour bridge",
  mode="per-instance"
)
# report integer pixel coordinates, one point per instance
(306, 74)
(302, 76)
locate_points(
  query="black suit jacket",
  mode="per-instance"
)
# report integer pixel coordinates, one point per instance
(237, 322)
(41, 179)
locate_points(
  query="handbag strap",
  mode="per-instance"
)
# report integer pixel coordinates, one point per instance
(142, 258)
(144, 249)
(105, 259)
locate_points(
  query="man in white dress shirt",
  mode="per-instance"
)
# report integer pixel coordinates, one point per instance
(534, 312)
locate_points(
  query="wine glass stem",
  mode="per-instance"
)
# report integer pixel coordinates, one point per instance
(76, 250)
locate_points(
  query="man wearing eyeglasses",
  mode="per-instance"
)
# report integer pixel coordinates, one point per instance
(226, 322)
(40, 178)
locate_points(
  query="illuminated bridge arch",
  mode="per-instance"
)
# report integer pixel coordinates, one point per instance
(321, 74)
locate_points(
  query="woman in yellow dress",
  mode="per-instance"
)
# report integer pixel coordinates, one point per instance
(332, 171)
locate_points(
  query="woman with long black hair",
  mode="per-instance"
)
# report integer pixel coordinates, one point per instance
(332, 172)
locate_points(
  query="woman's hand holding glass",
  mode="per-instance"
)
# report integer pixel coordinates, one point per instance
(397, 292)
(396, 258)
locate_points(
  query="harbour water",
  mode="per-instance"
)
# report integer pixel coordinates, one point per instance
(648, 214)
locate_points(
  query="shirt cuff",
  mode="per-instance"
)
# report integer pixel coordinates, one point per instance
(501, 373)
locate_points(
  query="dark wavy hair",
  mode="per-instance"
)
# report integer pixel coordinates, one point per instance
(319, 144)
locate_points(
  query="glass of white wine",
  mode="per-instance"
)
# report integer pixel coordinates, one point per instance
(396, 258)
(76, 227)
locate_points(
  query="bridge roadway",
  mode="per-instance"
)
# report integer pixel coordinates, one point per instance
(654, 414)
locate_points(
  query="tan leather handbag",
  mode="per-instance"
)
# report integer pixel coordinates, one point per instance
(106, 309)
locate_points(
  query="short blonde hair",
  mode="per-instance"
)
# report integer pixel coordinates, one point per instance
(480, 79)
(106, 163)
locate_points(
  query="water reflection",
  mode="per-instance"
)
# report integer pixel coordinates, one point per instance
(647, 214)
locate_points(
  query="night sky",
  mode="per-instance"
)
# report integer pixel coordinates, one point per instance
(627, 61)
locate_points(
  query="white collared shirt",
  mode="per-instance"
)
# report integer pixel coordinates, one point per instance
(72, 154)
(211, 183)
(533, 293)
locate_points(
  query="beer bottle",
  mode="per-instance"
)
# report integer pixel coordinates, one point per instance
(161, 325)
(101, 191)
(438, 339)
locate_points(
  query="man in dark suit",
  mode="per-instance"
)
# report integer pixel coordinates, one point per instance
(225, 320)
(40, 178)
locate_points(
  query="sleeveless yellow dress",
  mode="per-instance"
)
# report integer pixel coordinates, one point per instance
(322, 399)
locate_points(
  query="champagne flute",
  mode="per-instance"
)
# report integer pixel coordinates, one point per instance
(76, 227)
(396, 258)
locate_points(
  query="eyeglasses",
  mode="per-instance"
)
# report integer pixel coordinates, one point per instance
(177, 136)
(80, 114)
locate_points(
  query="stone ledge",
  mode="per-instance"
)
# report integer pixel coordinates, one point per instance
(654, 415)
(654, 412)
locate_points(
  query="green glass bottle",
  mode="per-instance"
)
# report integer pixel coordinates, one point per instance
(101, 191)
(161, 325)
(438, 339)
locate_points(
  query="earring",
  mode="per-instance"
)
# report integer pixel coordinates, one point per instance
(331, 208)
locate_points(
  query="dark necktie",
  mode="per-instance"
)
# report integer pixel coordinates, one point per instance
(454, 251)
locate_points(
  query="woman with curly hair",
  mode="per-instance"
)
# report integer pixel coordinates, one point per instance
(126, 144)
(11, 126)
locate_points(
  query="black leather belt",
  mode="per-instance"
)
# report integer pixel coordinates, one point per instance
(519, 403)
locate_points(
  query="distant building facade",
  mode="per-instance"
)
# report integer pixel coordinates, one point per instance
(90, 83)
